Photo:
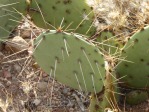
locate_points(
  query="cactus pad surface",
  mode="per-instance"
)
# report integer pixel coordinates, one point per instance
(135, 73)
(76, 14)
(108, 42)
(71, 60)
(136, 97)
(10, 18)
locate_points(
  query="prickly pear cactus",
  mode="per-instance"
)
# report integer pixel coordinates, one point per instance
(108, 42)
(106, 100)
(135, 68)
(72, 15)
(10, 18)
(70, 59)
(136, 97)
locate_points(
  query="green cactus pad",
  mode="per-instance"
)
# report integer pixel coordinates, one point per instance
(136, 97)
(135, 73)
(108, 42)
(107, 98)
(53, 12)
(71, 59)
(10, 18)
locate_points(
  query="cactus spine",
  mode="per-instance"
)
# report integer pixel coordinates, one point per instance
(108, 43)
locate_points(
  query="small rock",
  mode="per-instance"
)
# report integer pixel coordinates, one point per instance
(42, 86)
(25, 25)
(37, 101)
(65, 91)
(1, 85)
(12, 110)
(71, 110)
(30, 75)
(54, 98)
(17, 68)
(147, 109)
(7, 74)
(8, 83)
(45, 75)
(69, 93)
(31, 94)
(16, 44)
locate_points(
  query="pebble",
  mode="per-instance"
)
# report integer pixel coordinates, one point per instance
(42, 86)
(1, 85)
(17, 68)
(31, 94)
(16, 44)
(37, 101)
(71, 110)
(45, 75)
(7, 74)
(25, 25)
(8, 83)
(11, 110)
(65, 90)
(69, 93)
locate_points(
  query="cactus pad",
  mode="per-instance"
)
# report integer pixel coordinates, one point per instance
(135, 73)
(76, 14)
(70, 59)
(107, 98)
(108, 42)
(10, 18)
(136, 97)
